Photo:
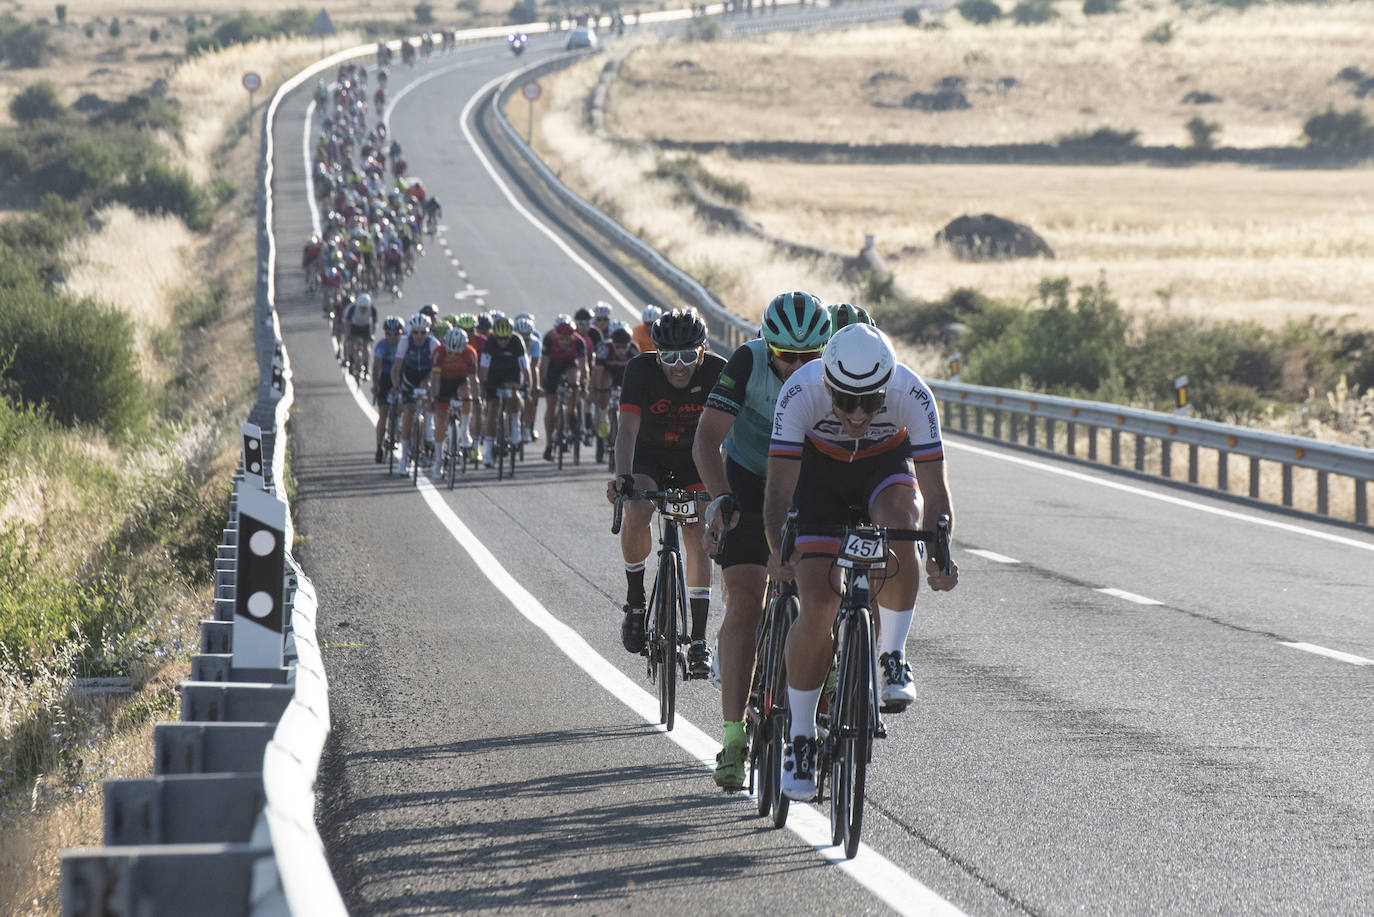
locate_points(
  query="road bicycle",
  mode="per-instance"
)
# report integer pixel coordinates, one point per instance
(506, 449)
(420, 396)
(605, 446)
(846, 747)
(666, 632)
(391, 439)
(567, 426)
(765, 712)
(357, 358)
(455, 457)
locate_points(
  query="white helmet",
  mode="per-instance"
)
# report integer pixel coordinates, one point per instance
(602, 310)
(524, 324)
(858, 360)
(651, 314)
(364, 301)
(418, 322)
(455, 340)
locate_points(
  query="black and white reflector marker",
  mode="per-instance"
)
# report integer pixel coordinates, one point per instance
(259, 616)
(252, 457)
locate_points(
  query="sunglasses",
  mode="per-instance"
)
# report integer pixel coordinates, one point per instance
(793, 356)
(847, 403)
(674, 357)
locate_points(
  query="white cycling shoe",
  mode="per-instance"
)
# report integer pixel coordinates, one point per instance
(799, 769)
(898, 689)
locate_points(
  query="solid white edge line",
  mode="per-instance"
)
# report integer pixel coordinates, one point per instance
(992, 556)
(1332, 654)
(1129, 596)
(1163, 498)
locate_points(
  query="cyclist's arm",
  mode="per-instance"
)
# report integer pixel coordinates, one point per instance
(711, 431)
(932, 479)
(397, 361)
(627, 434)
(779, 486)
(483, 367)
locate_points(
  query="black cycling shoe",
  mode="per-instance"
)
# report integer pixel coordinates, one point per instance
(632, 628)
(548, 452)
(380, 456)
(699, 659)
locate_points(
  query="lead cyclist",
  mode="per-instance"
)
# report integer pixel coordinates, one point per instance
(853, 428)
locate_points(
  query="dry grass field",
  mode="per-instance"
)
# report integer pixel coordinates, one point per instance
(1214, 241)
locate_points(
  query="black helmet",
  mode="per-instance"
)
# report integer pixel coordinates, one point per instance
(582, 315)
(681, 329)
(620, 336)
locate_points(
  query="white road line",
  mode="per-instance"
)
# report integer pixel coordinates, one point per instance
(1162, 497)
(455, 262)
(1332, 654)
(993, 556)
(899, 890)
(1129, 596)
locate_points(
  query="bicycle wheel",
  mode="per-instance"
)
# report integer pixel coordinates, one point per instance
(784, 613)
(391, 421)
(610, 443)
(851, 733)
(560, 430)
(500, 445)
(417, 442)
(665, 614)
(453, 449)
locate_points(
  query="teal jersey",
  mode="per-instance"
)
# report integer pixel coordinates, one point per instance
(748, 389)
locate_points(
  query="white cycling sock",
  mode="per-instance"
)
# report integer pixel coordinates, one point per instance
(896, 625)
(803, 706)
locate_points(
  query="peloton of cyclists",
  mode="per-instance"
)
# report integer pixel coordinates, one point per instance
(661, 400)
(731, 452)
(854, 428)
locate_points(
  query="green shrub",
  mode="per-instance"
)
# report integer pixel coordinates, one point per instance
(25, 45)
(154, 34)
(39, 102)
(912, 15)
(979, 12)
(691, 167)
(143, 111)
(75, 358)
(1202, 133)
(115, 29)
(161, 188)
(1161, 34)
(1101, 137)
(1034, 12)
(62, 13)
(1339, 130)
(1100, 7)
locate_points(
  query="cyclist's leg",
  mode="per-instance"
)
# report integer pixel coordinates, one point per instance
(897, 505)
(515, 407)
(636, 543)
(493, 409)
(744, 590)
(407, 416)
(441, 420)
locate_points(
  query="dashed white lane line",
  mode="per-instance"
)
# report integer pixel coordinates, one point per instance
(1329, 653)
(899, 890)
(1129, 596)
(455, 262)
(462, 275)
(993, 556)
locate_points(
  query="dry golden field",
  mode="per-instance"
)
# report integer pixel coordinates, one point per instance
(1217, 241)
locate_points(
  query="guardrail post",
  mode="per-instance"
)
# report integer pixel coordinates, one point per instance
(1361, 502)
(1015, 419)
(996, 424)
(1116, 447)
(1071, 437)
(1166, 458)
(1192, 463)
(1223, 461)
(1140, 445)
(963, 416)
(1031, 430)
(1254, 477)
(1287, 484)
(1049, 434)
(1092, 443)
(978, 418)
(1322, 484)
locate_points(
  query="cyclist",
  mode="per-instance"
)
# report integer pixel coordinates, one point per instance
(641, 335)
(310, 260)
(614, 354)
(852, 428)
(843, 313)
(564, 357)
(382, 356)
(455, 363)
(504, 365)
(739, 417)
(413, 366)
(534, 349)
(361, 321)
(661, 400)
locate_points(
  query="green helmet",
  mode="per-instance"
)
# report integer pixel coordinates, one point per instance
(452, 319)
(467, 321)
(796, 321)
(843, 313)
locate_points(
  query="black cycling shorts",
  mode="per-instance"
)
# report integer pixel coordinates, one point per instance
(555, 375)
(828, 490)
(746, 542)
(383, 387)
(447, 389)
(667, 467)
(493, 383)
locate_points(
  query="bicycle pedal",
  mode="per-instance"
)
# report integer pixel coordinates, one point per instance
(881, 731)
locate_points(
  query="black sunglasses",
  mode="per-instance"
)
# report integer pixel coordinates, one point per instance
(847, 403)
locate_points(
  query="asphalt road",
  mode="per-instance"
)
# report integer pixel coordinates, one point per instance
(1159, 749)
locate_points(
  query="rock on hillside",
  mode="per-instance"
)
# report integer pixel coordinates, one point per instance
(987, 238)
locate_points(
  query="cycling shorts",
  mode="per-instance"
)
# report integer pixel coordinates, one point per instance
(746, 543)
(412, 378)
(617, 374)
(383, 388)
(362, 332)
(447, 389)
(667, 467)
(556, 371)
(494, 382)
(827, 490)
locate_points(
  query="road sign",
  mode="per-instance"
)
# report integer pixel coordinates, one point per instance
(251, 81)
(530, 90)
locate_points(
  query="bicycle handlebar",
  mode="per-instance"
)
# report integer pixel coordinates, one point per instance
(937, 538)
(658, 497)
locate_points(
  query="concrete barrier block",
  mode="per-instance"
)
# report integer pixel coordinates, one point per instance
(210, 748)
(216, 636)
(235, 703)
(183, 809)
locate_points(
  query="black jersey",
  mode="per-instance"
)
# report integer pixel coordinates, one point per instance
(504, 357)
(668, 416)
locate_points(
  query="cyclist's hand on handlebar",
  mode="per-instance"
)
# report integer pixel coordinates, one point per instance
(621, 485)
(938, 579)
(781, 572)
(722, 515)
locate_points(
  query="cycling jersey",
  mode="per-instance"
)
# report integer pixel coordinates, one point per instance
(386, 352)
(748, 390)
(455, 364)
(417, 361)
(362, 318)
(804, 415)
(668, 416)
(564, 350)
(642, 338)
(614, 365)
(534, 345)
(504, 358)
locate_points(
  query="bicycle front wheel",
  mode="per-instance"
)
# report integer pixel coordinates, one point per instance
(391, 440)
(665, 622)
(784, 613)
(452, 448)
(852, 733)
